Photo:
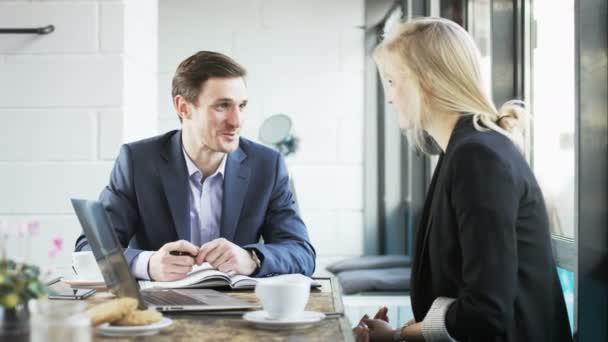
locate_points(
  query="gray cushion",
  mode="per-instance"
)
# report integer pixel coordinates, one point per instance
(370, 262)
(387, 279)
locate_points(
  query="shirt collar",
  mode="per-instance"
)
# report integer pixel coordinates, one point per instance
(193, 169)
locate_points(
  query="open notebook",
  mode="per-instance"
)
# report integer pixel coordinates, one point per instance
(205, 276)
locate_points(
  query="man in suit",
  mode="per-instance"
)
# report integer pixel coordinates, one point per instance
(203, 193)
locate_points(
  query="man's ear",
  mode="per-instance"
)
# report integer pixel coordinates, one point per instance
(182, 107)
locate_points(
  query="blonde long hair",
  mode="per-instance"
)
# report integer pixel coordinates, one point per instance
(445, 61)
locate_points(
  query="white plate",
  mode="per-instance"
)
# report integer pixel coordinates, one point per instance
(305, 320)
(140, 330)
(83, 281)
(76, 279)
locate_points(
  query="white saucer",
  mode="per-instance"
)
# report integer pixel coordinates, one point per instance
(141, 330)
(304, 320)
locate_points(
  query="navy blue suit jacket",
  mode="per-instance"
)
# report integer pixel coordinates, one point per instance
(147, 202)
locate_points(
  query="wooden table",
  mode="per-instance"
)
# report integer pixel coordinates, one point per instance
(231, 327)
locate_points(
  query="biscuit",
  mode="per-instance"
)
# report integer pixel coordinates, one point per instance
(111, 311)
(139, 317)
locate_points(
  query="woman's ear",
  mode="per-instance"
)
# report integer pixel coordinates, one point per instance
(426, 105)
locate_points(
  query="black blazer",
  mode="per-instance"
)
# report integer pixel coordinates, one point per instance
(484, 240)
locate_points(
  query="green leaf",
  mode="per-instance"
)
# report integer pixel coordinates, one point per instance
(9, 301)
(37, 289)
(31, 272)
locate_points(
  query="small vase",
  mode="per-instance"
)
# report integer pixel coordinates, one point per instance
(15, 323)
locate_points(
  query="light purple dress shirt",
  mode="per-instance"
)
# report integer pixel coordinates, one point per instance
(205, 200)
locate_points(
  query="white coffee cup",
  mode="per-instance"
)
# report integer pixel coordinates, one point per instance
(283, 297)
(85, 266)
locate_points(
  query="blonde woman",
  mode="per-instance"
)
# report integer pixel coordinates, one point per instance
(483, 268)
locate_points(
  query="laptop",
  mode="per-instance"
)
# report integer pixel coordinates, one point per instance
(119, 280)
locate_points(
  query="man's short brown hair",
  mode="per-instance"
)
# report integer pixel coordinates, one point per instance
(194, 71)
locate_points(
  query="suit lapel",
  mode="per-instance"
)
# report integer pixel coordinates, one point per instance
(420, 302)
(432, 205)
(174, 175)
(425, 224)
(419, 285)
(236, 181)
(463, 125)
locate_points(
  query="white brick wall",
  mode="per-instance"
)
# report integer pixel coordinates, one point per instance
(312, 14)
(110, 133)
(75, 27)
(67, 102)
(141, 69)
(111, 26)
(305, 59)
(46, 188)
(47, 135)
(61, 81)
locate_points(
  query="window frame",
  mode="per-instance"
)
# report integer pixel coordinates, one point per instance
(396, 177)
(591, 75)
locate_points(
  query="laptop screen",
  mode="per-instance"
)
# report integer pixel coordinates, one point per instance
(106, 248)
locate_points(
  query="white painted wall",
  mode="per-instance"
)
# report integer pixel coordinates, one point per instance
(305, 59)
(67, 102)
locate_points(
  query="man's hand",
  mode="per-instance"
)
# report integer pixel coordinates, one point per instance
(226, 256)
(163, 266)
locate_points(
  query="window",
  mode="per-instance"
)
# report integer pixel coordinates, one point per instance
(553, 111)
(480, 27)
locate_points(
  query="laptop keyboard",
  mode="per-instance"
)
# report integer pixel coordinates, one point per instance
(169, 298)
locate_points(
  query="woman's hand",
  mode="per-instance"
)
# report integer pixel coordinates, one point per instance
(379, 330)
(382, 314)
(413, 332)
(361, 331)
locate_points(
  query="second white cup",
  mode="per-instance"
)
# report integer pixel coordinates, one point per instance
(283, 297)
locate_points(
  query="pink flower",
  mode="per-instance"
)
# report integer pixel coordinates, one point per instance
(58, 243)
(21, 230)
(33, 227)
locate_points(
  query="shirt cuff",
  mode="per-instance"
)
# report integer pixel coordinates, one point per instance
(433, 325)
(139, 267)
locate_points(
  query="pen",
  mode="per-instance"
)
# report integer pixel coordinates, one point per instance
(53, 281)
(179, 253)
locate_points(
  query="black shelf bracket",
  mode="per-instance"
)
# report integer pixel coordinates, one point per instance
(36, 30)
